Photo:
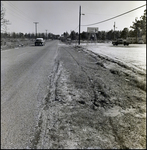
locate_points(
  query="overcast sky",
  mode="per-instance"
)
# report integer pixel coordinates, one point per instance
(58, 17)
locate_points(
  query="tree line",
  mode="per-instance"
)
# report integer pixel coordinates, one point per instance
(29, 35)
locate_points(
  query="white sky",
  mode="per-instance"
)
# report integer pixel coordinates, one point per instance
(58, 17)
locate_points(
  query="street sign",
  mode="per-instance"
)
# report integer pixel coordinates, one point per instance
(92, 29)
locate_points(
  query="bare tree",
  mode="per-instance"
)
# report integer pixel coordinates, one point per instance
(4, 22)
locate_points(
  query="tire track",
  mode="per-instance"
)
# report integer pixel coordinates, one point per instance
(100, 97)
(47, 103)
(73, 111)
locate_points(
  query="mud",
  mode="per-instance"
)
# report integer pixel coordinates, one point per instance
(93, 102)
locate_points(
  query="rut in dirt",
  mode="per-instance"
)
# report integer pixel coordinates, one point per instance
(81, 90)
(47, 103)
(99, 95)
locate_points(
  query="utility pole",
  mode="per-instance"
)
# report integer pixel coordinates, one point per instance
(79, 22)
(114, 30)
(46, 34)
(36, 27)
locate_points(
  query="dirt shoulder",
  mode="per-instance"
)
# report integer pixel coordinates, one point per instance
(93, 102)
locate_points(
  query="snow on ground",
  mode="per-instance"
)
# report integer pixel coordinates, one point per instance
(133, 55)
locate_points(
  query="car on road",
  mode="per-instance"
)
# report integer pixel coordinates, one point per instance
(120, 41)
(39, 41)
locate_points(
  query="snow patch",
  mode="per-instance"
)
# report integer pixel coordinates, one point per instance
(116, 110)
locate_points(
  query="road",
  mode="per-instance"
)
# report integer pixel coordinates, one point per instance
(65, 96)
(24, 83)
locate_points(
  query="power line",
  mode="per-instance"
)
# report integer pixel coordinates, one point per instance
(114, 17)
(17, 13)
(20, 13)
(76, 28)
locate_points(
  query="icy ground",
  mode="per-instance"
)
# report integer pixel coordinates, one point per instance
(133, 55)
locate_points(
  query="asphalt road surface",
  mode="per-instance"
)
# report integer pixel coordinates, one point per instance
(65, 96)
(24, 83)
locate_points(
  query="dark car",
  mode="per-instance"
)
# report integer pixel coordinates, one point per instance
(39, 41)
(120, 41)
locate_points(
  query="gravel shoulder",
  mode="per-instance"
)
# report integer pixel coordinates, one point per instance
(93, 102)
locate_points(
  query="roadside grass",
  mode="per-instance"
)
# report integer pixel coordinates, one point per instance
(10, 43)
